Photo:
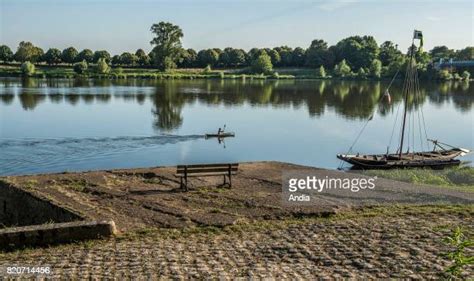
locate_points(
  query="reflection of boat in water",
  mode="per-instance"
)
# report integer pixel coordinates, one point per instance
(220, 135)
(442, 155)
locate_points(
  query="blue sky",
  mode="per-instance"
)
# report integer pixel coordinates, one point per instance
(123, 25)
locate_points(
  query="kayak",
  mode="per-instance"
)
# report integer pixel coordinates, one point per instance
(221, 135)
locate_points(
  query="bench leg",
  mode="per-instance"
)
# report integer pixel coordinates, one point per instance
(230, 180)
(186, 183)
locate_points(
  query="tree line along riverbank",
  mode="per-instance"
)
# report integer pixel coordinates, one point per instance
(64, 71)
(354, 57)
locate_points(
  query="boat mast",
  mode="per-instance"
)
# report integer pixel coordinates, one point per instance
(407, 88)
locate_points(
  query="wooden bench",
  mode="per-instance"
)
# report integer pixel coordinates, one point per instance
(206, 170)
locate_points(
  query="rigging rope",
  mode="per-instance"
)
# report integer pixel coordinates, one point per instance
(422, 116)
(370, 117)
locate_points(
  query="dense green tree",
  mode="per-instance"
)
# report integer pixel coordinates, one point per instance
(167, 44)
(207, 57)
(80, 67)
(52, 56)
(298, 57)
(224, 58)
(395, 66)
(342, 69)
(69, 55)
(422, 58)
(102, 54)
(6, 54)
(39, 55)
(318, 54)
(85, 55)
(237, 57)
(465, 54)
(253, 54)
(28, 52)
(232, 57)
(441, 52)
(262, 64)
(389, 53)
(102, 66)
(188, 58)
(376, 68)
(286, 55)
(275, 57)
(27, 68)
(358, 51)
(218, 51)
(143, 58)
(115, 60)
(129, 59)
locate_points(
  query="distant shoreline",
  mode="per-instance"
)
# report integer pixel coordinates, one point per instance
(292, 73)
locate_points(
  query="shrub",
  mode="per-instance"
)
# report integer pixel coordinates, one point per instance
(27, 68)
(342, 69)
(459, 242)
(102, 66)
(466, 75)
(321, 72)
(207, 69)
(376, 68)
(275, 75)
(444, 75)
(361, 73)
(263, 64)
(80, 67)
(221, 74)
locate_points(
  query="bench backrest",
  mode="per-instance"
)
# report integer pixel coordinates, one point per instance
(207, 168)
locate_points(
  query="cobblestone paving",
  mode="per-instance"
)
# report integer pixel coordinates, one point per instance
(385, 246)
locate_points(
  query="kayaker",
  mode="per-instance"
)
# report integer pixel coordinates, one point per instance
(219, 131)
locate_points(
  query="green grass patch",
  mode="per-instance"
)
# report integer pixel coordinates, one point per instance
(461, 178)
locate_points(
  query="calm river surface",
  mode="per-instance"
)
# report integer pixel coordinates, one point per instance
(70, 125)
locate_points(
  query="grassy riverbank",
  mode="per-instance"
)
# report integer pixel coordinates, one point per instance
(461, 178)
(43, 71)
(66, 71)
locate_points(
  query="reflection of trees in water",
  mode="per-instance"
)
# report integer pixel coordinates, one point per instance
(30, 101)
(351, 99)
(72, 99)
(7, 98)
(56, 98)
(167, 105)
(457, 92)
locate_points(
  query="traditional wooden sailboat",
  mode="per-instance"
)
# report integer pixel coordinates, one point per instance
(442, 155)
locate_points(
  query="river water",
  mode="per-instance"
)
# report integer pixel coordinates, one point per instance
(55, 125)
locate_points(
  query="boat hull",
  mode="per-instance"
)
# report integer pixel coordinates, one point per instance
(220, 136)
(430, 159)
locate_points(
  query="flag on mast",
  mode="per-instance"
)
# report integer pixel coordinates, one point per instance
(417, 34)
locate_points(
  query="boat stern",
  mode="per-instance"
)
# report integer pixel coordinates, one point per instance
(464, 151)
